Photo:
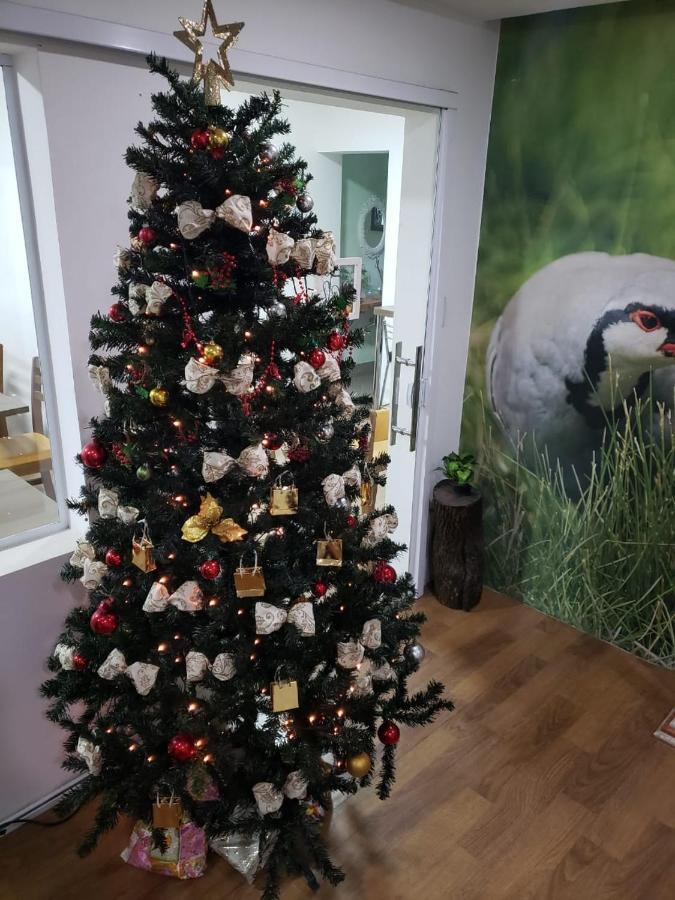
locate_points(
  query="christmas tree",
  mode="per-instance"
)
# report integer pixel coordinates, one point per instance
(245, 643)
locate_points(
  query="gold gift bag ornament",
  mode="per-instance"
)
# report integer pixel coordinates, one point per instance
(167, 812)
(249, 582)
(283, 498)
(285, 696)
(329, 552)
(141, 550)
(368, 489)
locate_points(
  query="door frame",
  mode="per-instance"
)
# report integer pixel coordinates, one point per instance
(437, 434)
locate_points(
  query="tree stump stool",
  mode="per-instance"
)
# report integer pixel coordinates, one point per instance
(457, 545)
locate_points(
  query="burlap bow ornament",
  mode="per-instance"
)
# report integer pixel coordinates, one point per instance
(200, 377)
(270, 618)
(193, 219)
(143, 191)
(197, 664)
(379, 528)
(267, 797)
(209, 521)
(91, 753)
(187, 598)
(350, 654)
(143, 675)
(109, 507)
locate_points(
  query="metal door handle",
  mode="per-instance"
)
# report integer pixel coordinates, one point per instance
(399, 361)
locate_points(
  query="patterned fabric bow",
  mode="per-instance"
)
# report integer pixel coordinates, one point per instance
(91, 753)
(334, 485)
(281, 248)
(253, 460)
(193, 220)
(350, 654)
(208, 519)
(109, 507)
(269, 618)
(197, 664)
(143, 675)
(379, 528)
(200, 377)
(187, 598)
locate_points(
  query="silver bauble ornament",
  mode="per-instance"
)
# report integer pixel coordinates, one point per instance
(325, 433)
(342, 503)
(268, 153)
(414, 653)
(305, 203)
(278, 309)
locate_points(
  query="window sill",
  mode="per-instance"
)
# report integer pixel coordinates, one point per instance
(41, 549)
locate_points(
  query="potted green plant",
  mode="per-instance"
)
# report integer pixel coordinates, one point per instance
(458, 469)
(456, 546)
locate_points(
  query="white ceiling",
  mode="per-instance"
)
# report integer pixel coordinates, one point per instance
(497, 9)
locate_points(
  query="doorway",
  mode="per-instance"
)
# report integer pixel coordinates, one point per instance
(375, 165)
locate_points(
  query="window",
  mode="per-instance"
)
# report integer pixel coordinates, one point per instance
(31, 481)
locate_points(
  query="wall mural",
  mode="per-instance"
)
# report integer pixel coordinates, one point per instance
(571, 381)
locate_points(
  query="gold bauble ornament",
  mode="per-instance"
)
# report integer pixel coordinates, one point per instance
(218, 137)
(212, 352)
(159, 396)
(358, 765)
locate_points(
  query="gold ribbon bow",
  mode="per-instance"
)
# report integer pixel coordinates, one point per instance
(208, 519)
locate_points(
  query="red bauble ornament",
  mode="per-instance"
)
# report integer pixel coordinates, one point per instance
(316, 358)
(93, 454)
(113, 558)
(299, 454)
(384, 573)
(199, 139)
(79, 662)
(116, 312)
(389, 733)
(319, 588)
(210, 569)
(336, 341)
(272, 441)
(147, 235)
(182, 747)
(351, 521)
(104, 620)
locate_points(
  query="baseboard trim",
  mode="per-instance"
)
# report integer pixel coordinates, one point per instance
(37, 808)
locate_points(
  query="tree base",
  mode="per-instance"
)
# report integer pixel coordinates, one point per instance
(457, 546)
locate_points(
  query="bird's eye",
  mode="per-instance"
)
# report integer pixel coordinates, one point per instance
(645, 319)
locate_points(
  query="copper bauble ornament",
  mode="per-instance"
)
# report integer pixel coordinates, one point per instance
(159, 396)
(358, 765)
(212, 352)
(389, 733)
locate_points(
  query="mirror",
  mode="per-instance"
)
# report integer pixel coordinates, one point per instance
(371, 228)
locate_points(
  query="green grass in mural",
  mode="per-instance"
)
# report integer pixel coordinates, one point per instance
(603, 562)
(581, 157)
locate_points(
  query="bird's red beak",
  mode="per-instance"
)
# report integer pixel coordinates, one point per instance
(668, 348)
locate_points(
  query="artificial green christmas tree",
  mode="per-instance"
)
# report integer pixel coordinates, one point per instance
(245, 638)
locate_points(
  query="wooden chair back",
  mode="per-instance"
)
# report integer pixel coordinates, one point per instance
(37, 398)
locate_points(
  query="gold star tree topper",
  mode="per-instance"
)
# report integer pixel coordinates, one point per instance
(215, 74)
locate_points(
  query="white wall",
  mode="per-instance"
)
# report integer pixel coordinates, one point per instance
(377, 38)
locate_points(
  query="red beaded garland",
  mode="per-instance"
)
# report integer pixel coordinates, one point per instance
(389, 733)
(103, 620)
(316, 358)
(182, 747)
(116, 312)
(210, 569)
(93, 454)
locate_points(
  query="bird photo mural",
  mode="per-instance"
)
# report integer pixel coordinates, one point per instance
(569, 406)
(577, 341)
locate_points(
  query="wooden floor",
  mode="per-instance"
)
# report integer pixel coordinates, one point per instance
(546, 782)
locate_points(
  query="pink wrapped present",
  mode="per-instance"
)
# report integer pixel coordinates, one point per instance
(184, 856)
